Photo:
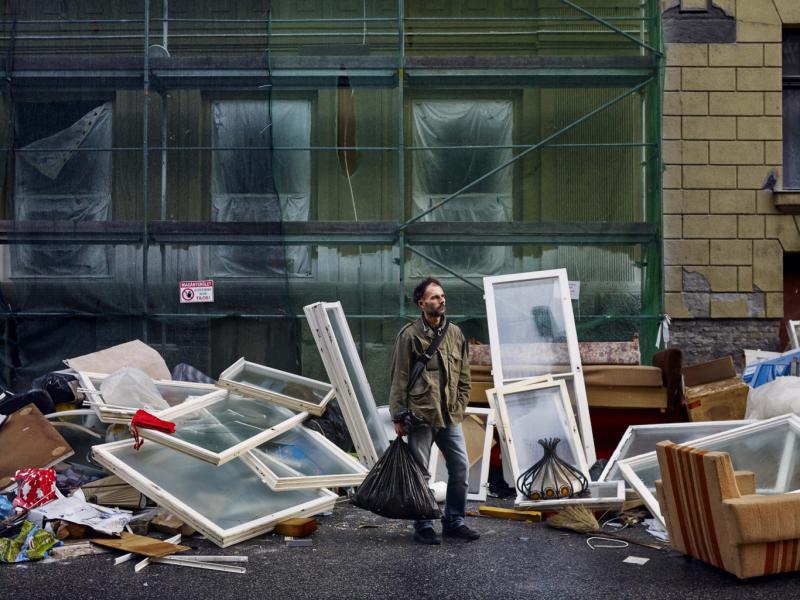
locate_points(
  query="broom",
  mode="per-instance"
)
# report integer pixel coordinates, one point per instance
(581, 520)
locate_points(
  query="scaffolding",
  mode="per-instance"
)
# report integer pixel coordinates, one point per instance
(319, 151)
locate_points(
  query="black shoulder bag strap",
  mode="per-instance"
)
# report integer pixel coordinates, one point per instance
(418, 367)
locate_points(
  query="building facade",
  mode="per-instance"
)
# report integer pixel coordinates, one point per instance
(298, 151)
(731, 130)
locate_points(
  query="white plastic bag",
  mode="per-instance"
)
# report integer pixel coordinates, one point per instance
(132, 388)
(778, 397)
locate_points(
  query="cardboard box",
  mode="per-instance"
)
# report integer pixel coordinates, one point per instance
(714, 392)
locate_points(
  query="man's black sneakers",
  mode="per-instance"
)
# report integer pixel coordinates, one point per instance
(462, 532)
(427, 536)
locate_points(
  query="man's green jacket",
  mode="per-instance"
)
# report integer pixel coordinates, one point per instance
(443, 385)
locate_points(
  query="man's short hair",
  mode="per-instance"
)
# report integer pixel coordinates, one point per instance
(422, 286)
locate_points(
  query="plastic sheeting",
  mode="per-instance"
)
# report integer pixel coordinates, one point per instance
(261, 185)
(438, 172)
(63, 178)
(774, 398)
(768, 370)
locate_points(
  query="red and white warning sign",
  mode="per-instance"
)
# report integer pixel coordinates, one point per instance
(197, 291)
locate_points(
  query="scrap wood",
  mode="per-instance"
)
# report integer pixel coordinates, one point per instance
(508, 513)
(581, 520)
(139, 544)
(298, 527)
(175, 539)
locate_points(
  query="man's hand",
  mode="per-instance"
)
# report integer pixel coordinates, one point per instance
(400, 428)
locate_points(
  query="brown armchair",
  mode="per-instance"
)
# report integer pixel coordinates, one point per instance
(713, 514)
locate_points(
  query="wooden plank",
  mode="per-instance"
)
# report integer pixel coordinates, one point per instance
(510, 514)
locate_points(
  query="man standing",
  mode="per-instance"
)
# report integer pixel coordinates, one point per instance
(429, 392)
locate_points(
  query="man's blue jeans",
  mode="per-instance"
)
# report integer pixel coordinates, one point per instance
(450, 441)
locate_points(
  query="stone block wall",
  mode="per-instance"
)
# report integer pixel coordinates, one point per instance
(722, 138)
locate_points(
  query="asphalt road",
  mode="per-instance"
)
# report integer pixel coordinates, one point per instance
(359, 555)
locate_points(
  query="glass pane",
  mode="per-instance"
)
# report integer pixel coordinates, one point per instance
(358, 379)
(535, 415)
(761, 452)
(644, 439)
(791, 52)
(174, 394)
(281, 383)
(301, 453)
(228, 422)
(531, 328)
(228, 495)
(791, 138)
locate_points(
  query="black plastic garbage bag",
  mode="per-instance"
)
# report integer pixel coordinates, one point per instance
(396, 487)
(331, 424)
(60, 386)
(13, 402)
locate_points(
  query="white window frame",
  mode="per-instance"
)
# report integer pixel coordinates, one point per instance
(104, 454)
(436, 455)
(671, 431)
(90, 383)
(791, 327)
(603, 495)
(332, 354)
(580, 401)
(214, 458)
(227, 380)
(792, 422)
(568, 434)
(260, 463)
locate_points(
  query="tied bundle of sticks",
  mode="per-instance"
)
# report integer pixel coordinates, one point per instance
(581, 520)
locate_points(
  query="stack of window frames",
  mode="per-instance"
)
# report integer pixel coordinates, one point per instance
(770, 449)
(530, 411)
(267, 437)
(343, 365)
(532, 333)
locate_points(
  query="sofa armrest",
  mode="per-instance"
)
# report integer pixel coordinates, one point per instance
(758, 519)
(746, 482)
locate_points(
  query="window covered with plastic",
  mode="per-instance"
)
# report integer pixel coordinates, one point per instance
(62, 174)
(258, 175)
(456, 142)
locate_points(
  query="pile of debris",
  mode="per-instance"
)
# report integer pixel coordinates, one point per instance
(230, 459)
(89, 450)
